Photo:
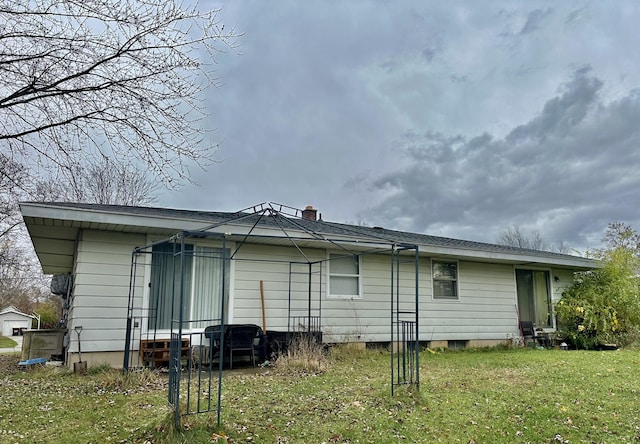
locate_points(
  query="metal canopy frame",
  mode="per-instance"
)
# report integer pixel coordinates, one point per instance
(405, 346)
(404, 321)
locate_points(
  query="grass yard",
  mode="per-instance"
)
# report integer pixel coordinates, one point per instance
(471, 396)
(7, 342)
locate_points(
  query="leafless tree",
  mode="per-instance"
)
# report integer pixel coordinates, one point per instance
(120, 77)
(102, 181)
(515, 237)
(11, 184)
(103, 79)
(120, 81)
(563, 248)
(20, 283)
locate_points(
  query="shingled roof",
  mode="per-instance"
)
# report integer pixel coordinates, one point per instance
(320, 227)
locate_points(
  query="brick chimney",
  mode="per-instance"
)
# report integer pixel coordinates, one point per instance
(309, 213)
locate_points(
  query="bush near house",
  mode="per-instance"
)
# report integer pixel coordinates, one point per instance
(603, 305)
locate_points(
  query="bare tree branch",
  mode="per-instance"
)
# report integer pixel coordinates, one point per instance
(100, 181)
(119, 78)
(100, 101)
(515, 237)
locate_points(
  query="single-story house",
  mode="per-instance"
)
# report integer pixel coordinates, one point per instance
(467, 293)
(14, 322)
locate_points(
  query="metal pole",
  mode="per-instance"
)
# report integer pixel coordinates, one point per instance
(222, 327)
(129, 339)
(309, 306)
(177, 353)
(417, 318)
(392, 325)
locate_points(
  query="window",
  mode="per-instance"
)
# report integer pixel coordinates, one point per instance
(445, 280)
(344, 276)
(456, 345)
(202, 279)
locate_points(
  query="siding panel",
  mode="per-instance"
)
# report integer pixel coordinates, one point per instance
(485, 309)
(101, 289)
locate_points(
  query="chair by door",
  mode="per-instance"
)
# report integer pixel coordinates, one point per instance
(528, 333)
(215, 334)
(242, 338)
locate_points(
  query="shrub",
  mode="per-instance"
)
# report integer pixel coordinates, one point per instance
(602, 306)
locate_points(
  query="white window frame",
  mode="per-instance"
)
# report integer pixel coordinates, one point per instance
(358, 276)
(456, 280)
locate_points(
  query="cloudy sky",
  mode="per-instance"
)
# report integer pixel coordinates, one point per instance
(449, 118)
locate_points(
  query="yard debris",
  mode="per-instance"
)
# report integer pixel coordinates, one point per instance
(32, 363)
(219, 436)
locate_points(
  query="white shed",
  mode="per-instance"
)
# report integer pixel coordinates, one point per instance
(13, 321)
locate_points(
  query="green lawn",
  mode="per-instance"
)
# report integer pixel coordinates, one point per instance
(7, 342)
(499, 396)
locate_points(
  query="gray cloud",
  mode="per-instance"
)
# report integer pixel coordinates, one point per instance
(457, 119)
(566, 172)
(534, 20)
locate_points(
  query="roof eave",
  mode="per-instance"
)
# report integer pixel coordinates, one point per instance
(79, 218)
(573, 262)
(51, 211)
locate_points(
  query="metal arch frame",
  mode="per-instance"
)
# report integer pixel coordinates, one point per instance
(405, 337)
(408, 354)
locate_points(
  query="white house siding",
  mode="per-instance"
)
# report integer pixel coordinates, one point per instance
(101, 289)
(369, 319)
(364, 319)
(255, 263)
(485, 309)
(559, 285)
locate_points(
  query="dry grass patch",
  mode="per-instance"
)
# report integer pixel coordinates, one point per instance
(138, 381)
(303, 356)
